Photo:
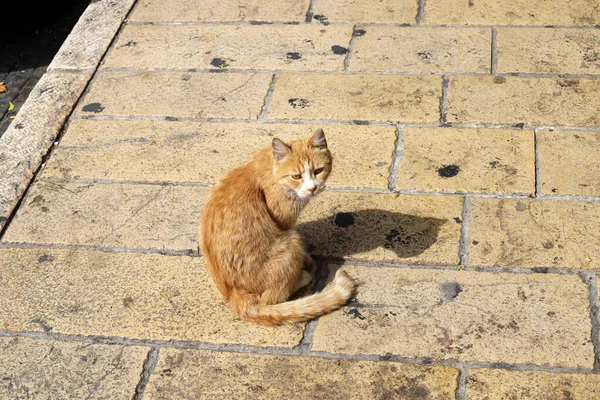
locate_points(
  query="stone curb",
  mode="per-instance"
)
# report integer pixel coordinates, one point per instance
(30, 136)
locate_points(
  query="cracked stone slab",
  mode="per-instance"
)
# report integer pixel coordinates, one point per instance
(109, 215)
(383, 11)
(206, 374)
(471, 160)
(569, 162)
(32, 132)
(91, 36)
(496, 384)
(219, 47)
(178, 151)
(220, 11)
(535, 233)
(383, 227)
(185, 94)
(549, 51)
(513, 12)
(131, 295)
(468, 316)
(421, 49)
(519, 100)
(384, 98)
(51, 369)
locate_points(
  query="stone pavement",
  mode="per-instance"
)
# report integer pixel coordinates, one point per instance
(465, 199)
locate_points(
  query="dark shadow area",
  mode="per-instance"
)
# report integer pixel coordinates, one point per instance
(348, 233)
(30, 35)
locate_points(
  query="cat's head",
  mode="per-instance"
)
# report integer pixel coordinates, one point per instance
(302, 166)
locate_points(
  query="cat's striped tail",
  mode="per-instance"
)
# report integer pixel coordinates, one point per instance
(334, 296)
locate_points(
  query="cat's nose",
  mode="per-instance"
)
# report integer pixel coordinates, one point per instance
(312, 189)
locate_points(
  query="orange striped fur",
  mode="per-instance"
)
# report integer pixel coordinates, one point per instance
(248, 237)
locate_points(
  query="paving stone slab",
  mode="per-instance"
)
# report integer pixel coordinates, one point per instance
(383, 227)
(178, 151)
(110, 215)
(496, 384)
(511, 12)
(421, 49)
(535, 233)
(221, 47)
(207, 374)
(176, 94)
(384, 11)
(548, 51)
(381, 98)
(141, 296)
(462, 315)
(517, 100)
(569, 163)
(51, 369)
(473, 160)
(32, 132)
(218, 10)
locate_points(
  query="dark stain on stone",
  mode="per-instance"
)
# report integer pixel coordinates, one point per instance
(551, 313)
(3, 219)
(171, 118)
(548, 245)
(93, 107)
(293, 56)
(568, 83)
(339, 50)
(425, 56)
(343, 220)
(520, 125)
(554, 190)
(322, 19)
(592, 56)
(385, 357)
(457, 220)
(45, 209)
(448, 171)
(19, 126)
(219, 63)
(520, 206)
(494, 164)
(475, 242)
(354, 313)
(404, 25)
(36, 200)
(450, 290)
(260, 23)
(359, 32)
(131, 43)
(127, 301)
(46, 258)
(43, 324)
(540, 270)
(166, 372)
(299, 103)
(499, 79)
(186, 77)
(359, 122)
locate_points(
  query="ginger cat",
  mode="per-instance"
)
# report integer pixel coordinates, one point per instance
(253, 252)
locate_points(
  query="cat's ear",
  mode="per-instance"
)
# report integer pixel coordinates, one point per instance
(280, 149)
(318, 140)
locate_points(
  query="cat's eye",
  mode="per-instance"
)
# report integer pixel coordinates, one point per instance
(297, 176)
(318, 171)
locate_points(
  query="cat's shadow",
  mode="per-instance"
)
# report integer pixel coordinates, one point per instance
(346, 234)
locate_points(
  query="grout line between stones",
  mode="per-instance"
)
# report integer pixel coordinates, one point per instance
(106, 249)
(461, 389)
(518, 196)
(268, 97)
(396, 158)
(464, 233)
(538, 178)
(350, 48)
(337, 72)
(346, 23)
(338, 122)
(147, 371)
(444, 100)
(420, 18)
(250, 349)
(590, 278)
(311, 11)
(494, 61)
